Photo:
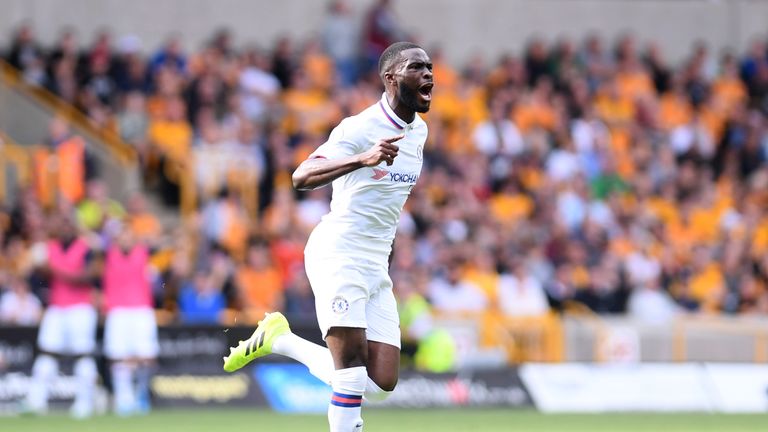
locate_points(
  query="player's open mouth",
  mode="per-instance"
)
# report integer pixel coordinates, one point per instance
(426, 91)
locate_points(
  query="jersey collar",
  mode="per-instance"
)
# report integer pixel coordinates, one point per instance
(390, 114)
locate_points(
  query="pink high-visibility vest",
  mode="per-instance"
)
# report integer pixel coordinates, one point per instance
(70, 260)
(126, 283)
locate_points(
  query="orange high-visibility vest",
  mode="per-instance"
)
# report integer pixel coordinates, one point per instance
(44, 176)
(71, 165)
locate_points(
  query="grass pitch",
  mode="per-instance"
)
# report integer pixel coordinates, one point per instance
(457, 420)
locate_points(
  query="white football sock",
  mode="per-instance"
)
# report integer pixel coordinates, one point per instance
(143, 377)
(317, 358)
(122, 384)
(344, 411)
(374, 393)
(319, 361)
(44, 370)
(86, 375)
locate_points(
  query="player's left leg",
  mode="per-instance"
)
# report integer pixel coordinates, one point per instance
(146, 351)
(383, 335)
(349, 349)
(81, 324)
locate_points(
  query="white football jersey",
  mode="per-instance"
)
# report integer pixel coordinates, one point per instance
(366, 203)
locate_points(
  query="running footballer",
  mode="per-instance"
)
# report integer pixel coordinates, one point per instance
(372, 160)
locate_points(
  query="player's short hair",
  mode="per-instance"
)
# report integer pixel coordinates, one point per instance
(391, 55)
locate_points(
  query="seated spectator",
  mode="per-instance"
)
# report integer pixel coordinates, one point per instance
(18, 306)
(133, 121)
(650, 304)
(707, 284)
(142, 222)
(603, 292)
(259, 283)
(225, 223)
(453, 294)
(172, 135)
(311, 209)
(521, 294)
(98, 207)
(498, 135)
(299, 300)
(201, 300)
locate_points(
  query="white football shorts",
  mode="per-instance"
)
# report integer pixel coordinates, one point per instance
(351, 291)
(68, 330)
(130, 333)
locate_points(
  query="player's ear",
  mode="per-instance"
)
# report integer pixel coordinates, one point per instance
(389, 77)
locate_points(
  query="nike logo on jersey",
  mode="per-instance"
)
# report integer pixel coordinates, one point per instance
(379, 174)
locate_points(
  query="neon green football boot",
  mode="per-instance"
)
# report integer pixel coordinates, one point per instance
(259, 344)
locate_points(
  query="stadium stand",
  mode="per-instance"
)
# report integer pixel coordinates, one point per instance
(577, 176)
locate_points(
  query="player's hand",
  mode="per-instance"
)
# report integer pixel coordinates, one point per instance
(383, 151)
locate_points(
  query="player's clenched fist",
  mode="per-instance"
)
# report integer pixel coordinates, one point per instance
(383, 151)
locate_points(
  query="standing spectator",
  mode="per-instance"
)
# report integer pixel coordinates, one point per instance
(24, 54)
(63, 80)
(283, 63)
(340, 41)
(660, 72)
(169, 56)
(537, 63)
(381, 30)
(258, 86)
(66, 48)
(100, 52)
(130, 69)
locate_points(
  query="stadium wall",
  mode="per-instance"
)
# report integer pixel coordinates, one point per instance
(463, 27)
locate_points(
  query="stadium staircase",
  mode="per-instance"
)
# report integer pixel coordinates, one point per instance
(26, 111)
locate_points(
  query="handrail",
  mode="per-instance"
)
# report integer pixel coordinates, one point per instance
(718, 325)
(122, 151)
(11, 151)
(594, 319)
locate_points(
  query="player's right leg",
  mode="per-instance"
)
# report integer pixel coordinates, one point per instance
(130, 342)
(50, 340)
(259, 344)
(81, 322)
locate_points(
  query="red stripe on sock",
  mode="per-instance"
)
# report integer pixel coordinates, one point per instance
(345, 400)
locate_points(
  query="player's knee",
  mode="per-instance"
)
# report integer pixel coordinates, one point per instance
(45, 366)
(85, 367)
(348, 347)
(350, 359)
(387, 384)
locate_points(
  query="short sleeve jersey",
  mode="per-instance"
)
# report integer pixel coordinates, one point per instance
(366, 203)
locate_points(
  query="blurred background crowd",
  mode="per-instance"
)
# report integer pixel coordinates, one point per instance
(581, 173)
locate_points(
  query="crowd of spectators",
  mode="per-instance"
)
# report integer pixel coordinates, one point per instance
(587, 172)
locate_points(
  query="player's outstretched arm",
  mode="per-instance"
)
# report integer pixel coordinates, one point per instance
(316, 172)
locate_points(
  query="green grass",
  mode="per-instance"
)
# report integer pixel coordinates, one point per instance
(457, 420)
